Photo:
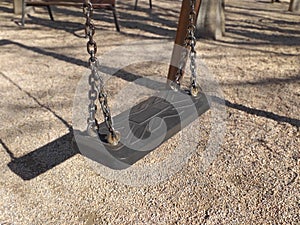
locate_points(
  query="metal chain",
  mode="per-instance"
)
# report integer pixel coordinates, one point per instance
(92, 121)
(96, 83)
(189, 42)
(89, 29)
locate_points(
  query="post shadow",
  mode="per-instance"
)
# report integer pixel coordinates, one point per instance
(258, 112)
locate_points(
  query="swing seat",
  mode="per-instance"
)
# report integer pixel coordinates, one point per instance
(143, 128)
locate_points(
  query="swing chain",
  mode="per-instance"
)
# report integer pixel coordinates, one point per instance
(89, 29)
(189, 42)
(92, 121)
(96, 83)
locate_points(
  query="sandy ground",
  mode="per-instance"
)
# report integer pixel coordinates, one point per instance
(253, 180)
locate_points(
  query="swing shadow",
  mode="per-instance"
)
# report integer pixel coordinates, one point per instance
(56, 152)
(48, 156)
(42, 159)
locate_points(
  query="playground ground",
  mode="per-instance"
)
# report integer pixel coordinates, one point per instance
(253, 180)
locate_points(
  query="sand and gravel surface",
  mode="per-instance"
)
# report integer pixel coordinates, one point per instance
(254, 178)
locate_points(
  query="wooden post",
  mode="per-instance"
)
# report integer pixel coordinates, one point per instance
(18, 6)
(181, 34)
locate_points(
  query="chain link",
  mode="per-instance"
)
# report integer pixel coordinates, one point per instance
(92, 121)
(192, 43)
(89, 29)
(189, 42)
(96, 83)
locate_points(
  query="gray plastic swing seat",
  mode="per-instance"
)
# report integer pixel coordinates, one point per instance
(143, 128)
